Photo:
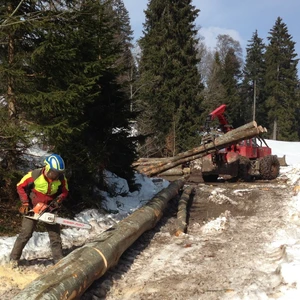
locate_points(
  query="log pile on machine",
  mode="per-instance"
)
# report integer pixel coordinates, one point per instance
(237, 153)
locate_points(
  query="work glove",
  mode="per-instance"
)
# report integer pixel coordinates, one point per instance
(56, 204)
(24, 209)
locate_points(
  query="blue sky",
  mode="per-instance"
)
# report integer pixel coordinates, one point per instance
(238, 18)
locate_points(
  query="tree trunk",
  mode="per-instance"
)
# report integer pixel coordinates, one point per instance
(275, 130)
(182, 210)
(142, 162)
(69, 278)
(177, 171)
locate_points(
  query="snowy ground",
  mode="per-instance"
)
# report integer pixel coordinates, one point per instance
(274, 228)
(242, 243)
(38, 245)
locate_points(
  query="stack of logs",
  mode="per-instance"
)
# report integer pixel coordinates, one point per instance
(180, 170)
(160, 166)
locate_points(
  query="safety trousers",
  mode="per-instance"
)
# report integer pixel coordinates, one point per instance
(28, 227)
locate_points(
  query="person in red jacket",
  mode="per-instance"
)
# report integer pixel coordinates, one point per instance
(45, 185)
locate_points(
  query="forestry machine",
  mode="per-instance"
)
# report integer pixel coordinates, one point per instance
(245, 160)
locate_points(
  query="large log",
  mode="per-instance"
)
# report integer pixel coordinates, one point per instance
(152, 159)
(177, 171)
(144, 161)
(182, 210)
(69, 278)
(246, 131)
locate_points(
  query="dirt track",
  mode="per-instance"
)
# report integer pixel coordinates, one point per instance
(225, 254)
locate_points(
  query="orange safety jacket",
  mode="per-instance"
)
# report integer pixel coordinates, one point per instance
(35, 187)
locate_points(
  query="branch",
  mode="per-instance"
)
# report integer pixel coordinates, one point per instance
(18, 6)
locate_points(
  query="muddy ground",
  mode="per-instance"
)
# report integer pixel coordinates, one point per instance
(225, 253)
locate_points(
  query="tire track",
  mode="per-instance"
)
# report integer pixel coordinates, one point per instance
(222, 256)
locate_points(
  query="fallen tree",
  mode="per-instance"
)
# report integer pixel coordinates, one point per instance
(176, 171)
(246, 131)
(182, 210)
(146, 161)
(69, 278)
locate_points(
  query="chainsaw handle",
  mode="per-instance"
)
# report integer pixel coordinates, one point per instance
(30, 213)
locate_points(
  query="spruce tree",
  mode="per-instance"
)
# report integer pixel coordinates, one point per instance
(81, 107)
(224, 85)
(214, 93)
(73, 98)
(297, 100)
(281, 83)
(170, 84)
(231, 80)
(254, 81)
(18, 41)
(120, 17)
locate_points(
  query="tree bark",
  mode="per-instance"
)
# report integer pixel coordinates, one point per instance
(69, 278)
(182, 210)
(177, 171)
(142, 162)
(246, 131)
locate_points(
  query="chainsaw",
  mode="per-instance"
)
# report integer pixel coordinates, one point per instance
(39, 213)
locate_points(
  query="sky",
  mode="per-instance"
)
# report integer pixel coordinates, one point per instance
(122, 206)
(236, 18)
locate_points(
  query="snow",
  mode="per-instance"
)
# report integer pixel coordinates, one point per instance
(38, 246)
(122, 203)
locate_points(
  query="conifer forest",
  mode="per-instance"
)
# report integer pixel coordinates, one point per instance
(74, 82)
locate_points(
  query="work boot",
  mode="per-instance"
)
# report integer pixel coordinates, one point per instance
(14, 264)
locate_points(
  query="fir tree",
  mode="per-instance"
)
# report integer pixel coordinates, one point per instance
(120, 17)
(281, 82)
(214, 93)
(224, 83)
(170, 84)
(18, 41)
(73, 98)
(231, 80)
(254, 81)
(82, 108)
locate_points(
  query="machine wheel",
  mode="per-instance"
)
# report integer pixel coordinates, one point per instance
(269, 167)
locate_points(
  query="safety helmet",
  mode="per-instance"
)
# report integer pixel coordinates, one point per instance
(54, 162)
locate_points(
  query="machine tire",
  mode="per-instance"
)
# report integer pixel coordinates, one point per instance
(269, 167)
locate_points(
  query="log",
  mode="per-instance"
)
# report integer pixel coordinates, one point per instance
(182, 210)
(246, 131)
(71, 276)
(149, 161)
(177, 171)
(152, 159)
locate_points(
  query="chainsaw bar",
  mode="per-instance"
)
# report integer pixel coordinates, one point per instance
(53, 219)
(72, 223)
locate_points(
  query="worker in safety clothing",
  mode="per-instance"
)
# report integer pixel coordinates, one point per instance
(45, 185)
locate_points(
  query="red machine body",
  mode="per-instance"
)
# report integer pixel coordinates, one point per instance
(228, 161)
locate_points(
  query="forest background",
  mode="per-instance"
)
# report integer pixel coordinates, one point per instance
(73, 82)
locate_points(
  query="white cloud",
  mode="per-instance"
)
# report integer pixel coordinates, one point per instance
(210, 35)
